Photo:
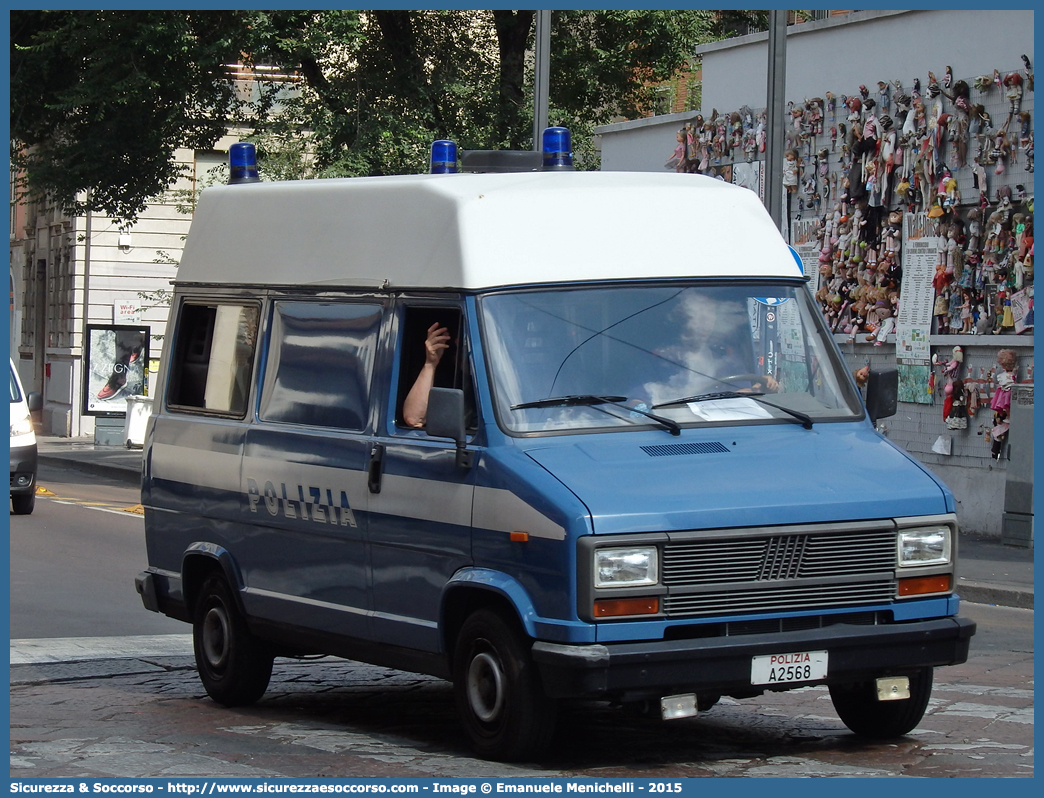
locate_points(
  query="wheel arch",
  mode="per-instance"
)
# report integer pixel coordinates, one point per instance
(201, 559)
(472, 589)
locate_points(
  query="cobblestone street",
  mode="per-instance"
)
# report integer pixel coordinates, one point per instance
(136, 718)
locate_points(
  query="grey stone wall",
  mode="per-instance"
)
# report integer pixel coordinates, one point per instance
(975, 478)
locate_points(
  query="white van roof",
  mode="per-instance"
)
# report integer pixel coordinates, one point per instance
(476, 231)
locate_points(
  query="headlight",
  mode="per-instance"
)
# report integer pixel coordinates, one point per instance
(23, 427)
(929, 546)
(625, 567)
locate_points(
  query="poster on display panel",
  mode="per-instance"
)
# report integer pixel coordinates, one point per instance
(117, 355)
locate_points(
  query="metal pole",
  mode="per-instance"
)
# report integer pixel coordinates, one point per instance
(543, 75)
(86, 308)
(774, 104)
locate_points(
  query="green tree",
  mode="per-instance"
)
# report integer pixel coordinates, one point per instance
(102, 99)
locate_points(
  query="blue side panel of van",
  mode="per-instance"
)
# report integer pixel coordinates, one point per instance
(420, 535)
(192, 486)
(522, 497)
(305, 562)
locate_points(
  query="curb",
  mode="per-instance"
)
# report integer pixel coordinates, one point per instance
(978, 593)
(92, 467)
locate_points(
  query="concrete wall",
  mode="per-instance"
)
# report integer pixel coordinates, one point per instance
(976, 480)
(836, 54)
(865, 47)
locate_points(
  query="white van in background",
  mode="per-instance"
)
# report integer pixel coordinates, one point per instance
(23, 446)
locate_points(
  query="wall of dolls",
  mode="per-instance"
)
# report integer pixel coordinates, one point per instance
(957, 154)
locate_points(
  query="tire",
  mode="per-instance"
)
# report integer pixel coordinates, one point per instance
(233, 665)
(23, 504)
(857, 706)
(498, 692)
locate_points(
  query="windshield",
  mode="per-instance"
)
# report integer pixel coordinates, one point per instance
(16, 394)
(592, 358)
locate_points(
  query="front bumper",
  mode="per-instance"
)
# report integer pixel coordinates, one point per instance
(722, 666)
(23, 470)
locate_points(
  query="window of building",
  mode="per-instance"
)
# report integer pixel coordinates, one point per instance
(213, 358)
(320, 364)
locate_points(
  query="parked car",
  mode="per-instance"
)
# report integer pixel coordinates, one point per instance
(23, 446)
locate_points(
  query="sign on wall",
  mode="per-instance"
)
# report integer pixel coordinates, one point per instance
(126, 311)
(914, 325)
(115, 368)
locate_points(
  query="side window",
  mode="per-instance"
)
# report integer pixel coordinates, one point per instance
(453, 371)
(213, 358)
(320, 364)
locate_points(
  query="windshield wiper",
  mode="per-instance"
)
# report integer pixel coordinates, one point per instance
(590, 400)
(573, 400)
(806, 421)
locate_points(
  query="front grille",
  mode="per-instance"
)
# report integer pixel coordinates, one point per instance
(774, 625)
(779, 599)
(778, 573)
(778, 557)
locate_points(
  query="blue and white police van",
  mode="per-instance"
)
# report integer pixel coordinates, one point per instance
(646, 475)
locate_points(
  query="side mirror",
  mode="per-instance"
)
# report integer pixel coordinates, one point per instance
(882, 394)
(34, 400)
(446, 420)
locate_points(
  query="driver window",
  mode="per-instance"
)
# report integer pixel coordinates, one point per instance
(452, 371)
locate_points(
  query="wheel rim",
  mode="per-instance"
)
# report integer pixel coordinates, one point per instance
(485, 687)
(216, 637)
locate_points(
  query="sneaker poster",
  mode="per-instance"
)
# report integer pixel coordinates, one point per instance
(117, 356)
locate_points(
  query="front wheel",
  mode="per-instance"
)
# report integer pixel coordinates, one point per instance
(857, 706)
(233, 665)
(498, 690)
(23, 504)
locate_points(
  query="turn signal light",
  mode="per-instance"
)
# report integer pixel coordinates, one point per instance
(607, 608)
(918, 585)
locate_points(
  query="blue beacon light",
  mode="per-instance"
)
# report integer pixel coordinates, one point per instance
(797, 259)
(242, 164)
(443, 157)
(558, 148)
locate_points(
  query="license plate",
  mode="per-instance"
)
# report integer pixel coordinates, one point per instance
(799, 666)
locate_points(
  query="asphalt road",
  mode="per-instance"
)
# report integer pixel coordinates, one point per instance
(73, 562)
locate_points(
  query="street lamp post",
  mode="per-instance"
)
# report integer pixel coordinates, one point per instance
(543, 75)
(777, 72)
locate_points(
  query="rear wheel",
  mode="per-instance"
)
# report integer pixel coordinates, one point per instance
(857, 706)
(233, 665)
(498, 690)
(23, 504)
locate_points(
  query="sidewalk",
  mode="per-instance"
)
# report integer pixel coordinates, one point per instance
(988, 572)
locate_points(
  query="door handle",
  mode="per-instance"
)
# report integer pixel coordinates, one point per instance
(373, 480)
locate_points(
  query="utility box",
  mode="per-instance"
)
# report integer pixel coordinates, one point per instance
(139, 408)
(1017, 525)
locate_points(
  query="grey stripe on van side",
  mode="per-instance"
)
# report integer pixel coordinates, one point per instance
(424, 499)
(503, 511)
(216, 470)
(495, 509)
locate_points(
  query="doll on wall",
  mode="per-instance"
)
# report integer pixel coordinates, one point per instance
(679, 159)
(790, 170)
(1007, 367)
(957, 418)
(967, 318)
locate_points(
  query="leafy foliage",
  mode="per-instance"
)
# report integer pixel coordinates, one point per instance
(102, 99)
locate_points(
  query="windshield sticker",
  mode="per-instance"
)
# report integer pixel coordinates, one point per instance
(737, 409)
(771, 300)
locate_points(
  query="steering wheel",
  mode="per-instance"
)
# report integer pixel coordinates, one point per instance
(748, 377)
